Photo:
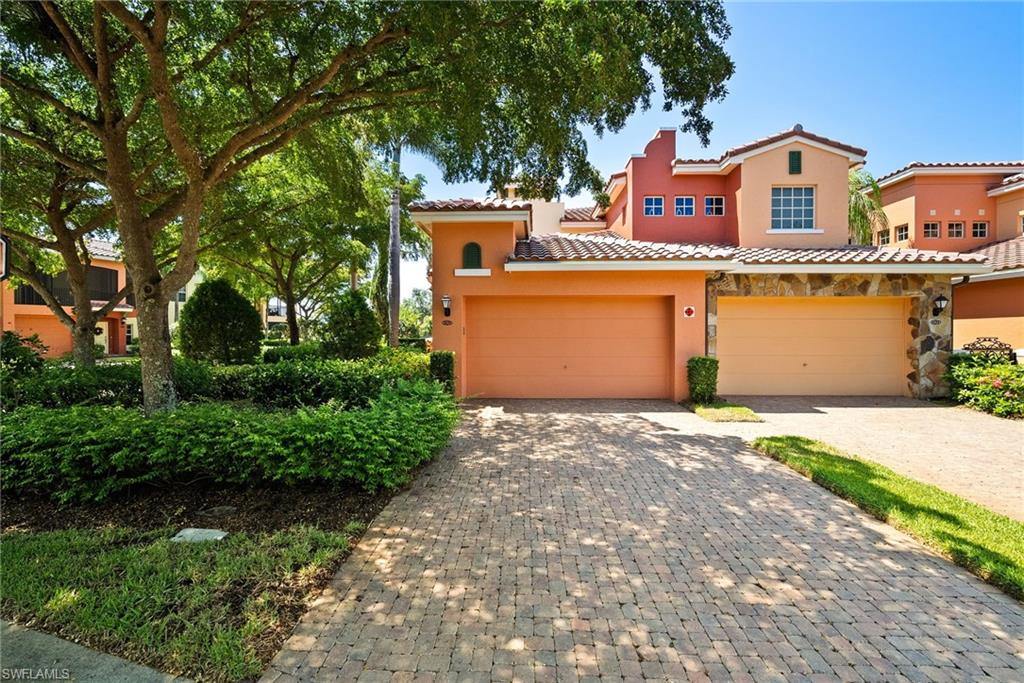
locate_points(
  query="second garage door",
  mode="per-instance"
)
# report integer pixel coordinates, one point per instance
(568, 347)
(812, 346)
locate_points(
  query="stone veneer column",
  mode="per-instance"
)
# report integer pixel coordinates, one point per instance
(931, 338)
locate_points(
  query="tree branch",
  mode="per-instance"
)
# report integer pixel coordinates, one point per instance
(31, 276)
(73, 47)
(50, 149)
(31, 239)
(71, 113)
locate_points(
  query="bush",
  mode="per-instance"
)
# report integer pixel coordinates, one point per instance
(99, 351)
(303, 351)
(219, 325)
(21, 356)
(442, 368)
(350, 329)
(89, 453)
(702, 376)
(994, 387)
(132, 349)
(415, 343)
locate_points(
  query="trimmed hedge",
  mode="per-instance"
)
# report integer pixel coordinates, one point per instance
(88, 453)
(287, 384)
(987, 383)
(702, 376)
(442, 368)
(303, 351)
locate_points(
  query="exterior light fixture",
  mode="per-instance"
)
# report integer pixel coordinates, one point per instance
(939, 305)
(446, 304)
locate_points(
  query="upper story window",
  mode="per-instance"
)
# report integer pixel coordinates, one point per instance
(883, 236)
(902, 233)
(654, 206)
(472, 256)
(955, 229)
(795, 162)
(792, 208)
(684, 206)
(182, 294)
(931, 230)
(979, 229)
(714, 205)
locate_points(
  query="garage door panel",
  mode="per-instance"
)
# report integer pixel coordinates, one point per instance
(812, 345)
(573, 347)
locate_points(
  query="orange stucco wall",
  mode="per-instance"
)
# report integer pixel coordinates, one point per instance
(945, 199)
(992, 308)
(680, 289)
(1010, 214)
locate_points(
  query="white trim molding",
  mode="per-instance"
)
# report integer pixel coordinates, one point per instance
(658, 264)
(857, 268)
(727, 163)
(472, 272)
(950, 170)
(429, 217)
(597, 225)
(995, 275)
(1003, 189)
(794, 231)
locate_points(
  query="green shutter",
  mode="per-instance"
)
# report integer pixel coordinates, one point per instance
(471, 257)
(794, 163)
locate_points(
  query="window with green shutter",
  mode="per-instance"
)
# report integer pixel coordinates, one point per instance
(795, 162)
(471, 255)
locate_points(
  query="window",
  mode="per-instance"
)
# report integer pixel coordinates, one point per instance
(979, 229)
(182, 294)
(684, 206)
(955, 229)
(792, 208)
(128, 334)
(795, 163)
(472, 257)
(902, 233)
(714, 206)
(931, 230)
(654, 206)
(883, 237)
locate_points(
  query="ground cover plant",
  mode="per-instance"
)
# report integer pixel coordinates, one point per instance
(723, 411)
(987, 382)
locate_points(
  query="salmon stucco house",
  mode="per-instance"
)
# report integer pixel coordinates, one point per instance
(744, 257)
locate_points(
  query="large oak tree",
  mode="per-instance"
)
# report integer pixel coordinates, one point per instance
(181, 97)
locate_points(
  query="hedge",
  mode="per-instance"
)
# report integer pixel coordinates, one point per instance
(88, 453)
(702, 378)
(287, 384)
(987, 383)
(303, 351)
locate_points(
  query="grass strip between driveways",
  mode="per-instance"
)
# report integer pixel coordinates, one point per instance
(988, 544)
(723, 411)
(213, 609)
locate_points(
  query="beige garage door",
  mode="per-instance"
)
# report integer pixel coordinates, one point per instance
(568, 347)
(813, 345)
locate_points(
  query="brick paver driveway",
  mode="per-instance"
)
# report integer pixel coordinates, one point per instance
(565, 540)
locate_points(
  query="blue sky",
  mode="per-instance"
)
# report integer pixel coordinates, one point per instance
(908, 81)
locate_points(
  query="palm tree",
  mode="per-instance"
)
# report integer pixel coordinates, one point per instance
(866, 214)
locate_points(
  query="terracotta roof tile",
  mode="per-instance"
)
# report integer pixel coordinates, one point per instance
(607, 245)
(1004, 255)
(1007, 165)
(795, 131)
(584, 213)
(849, 256)
(103, 249)
(488, 204)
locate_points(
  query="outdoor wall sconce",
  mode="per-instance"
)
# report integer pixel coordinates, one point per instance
(446, 304)
(939, 305)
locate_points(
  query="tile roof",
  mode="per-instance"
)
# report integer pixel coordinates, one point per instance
(583, 213)
(486, 204)
(607, 245)
(1007, 165)
(795, 131)
(1009, 180)
(103, 249)
(1004, 255)
(851, 255)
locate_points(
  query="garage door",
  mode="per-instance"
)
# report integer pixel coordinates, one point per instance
(568, 347)
(812, 345)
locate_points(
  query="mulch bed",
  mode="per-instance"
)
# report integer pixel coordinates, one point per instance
(203, 506)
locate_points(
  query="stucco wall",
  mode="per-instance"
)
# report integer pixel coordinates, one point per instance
(1009, 213)
(929, 338)
(991, 308)
(954, 198)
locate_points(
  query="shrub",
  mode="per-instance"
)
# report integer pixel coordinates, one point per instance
(303, 351)
(442, 368)
(996, 388)
(960, 365)
(21, 356)
(219, 325)
(350, 328)
(132, 349)
(89, 453)
(702, 376)
(415, 343)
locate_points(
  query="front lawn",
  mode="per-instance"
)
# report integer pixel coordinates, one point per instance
(988, 544)
(723, 411)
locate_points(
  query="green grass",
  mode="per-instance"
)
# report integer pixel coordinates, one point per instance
(990, 545)
(723, 411)
(216, 610)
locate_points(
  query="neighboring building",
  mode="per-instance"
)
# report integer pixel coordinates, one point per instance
(972, 207)
(25, 312)
(744, 257)
(174, 306)
(274, 311)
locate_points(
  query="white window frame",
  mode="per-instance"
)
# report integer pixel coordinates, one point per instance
(904, 230)
(949, 230)
(678, 207)
(709, 209)
(883, 237)
(938, 230)
(777, 224)
(974, 229)
(657, 203)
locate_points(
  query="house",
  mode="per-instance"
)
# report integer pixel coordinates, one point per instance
(25, 312)
(973, 207)
(744, 257)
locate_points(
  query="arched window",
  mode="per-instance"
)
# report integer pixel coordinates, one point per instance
(471, 256)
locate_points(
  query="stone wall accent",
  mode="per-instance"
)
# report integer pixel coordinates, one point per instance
(931, 337)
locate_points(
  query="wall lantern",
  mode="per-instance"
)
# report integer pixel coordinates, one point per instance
(446, 304)
(939, 305)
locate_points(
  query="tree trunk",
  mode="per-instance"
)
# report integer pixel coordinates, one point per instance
(155, 352)
(353, 276)
(396, 246)
(83, 341)
(293, 318)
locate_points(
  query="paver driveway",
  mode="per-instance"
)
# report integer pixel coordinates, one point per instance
(574, 540)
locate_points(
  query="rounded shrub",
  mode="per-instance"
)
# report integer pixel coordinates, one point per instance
(702, 376)
(350, 328)
(219, 325)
